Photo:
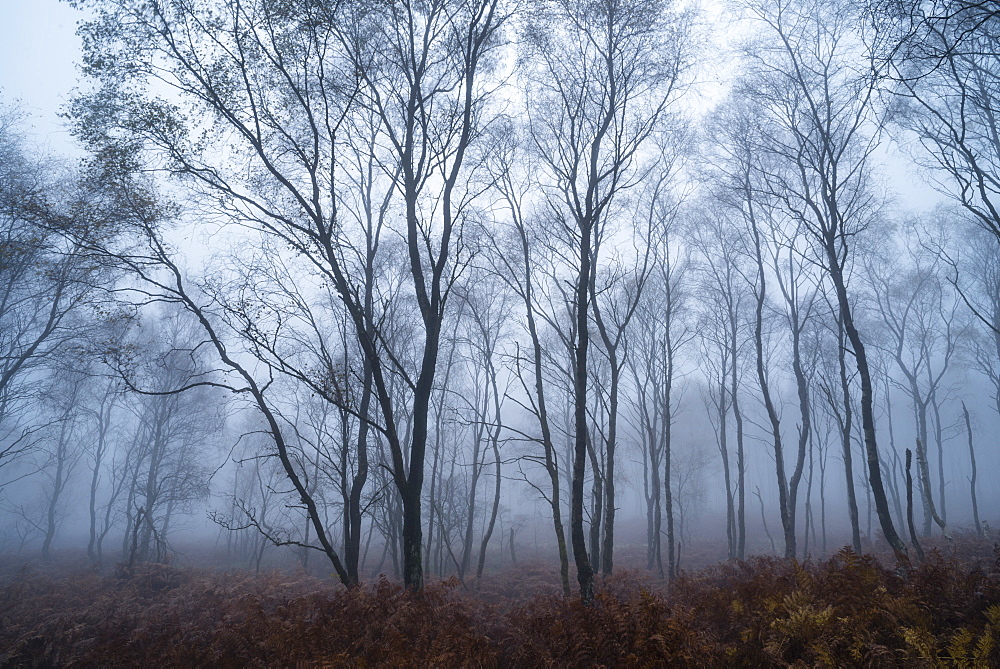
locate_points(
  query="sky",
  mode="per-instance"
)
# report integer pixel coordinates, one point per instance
(39, 53)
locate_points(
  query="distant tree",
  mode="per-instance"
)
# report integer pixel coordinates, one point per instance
(42, 278)
(782, 279)
(975, 272)
(602, 77)
(517, 255)
(487, 315)
(661, 333)
(60, 443)
(168, 462)
(723, 332)
(924, 331)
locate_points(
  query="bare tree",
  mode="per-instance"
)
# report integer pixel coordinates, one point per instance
(656, 342)
(940, 58)
(516, 258)
(837, 386)
(924, 331)
(604, 75)
(723, 331)
(167, 464)
(276, 84)
(778, 248)
(42, 279)
(822, 124)
(61, 445)
(486, 307)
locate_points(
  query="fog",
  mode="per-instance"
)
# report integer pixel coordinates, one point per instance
(422, 293)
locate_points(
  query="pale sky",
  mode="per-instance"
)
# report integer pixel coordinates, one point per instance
(39, 54)
(39, 51)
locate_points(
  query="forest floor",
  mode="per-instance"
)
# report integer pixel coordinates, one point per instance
(848, 610)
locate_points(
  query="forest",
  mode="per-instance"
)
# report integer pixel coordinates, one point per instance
(506, 332)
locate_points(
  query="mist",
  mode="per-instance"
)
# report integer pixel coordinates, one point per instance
(410, 292)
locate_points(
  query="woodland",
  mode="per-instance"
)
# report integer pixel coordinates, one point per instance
(506, 332)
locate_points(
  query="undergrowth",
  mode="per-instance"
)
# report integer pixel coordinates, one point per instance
(849, 610)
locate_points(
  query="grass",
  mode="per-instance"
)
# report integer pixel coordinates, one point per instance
(849, 610)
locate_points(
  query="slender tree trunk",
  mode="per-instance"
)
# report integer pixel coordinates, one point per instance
(548, 447)
(939, 441)
(741, 469)
(597, 504)
(846, 425)
(822, 494)
(924, 472)
(724, 450)
(494, 441)
(607, 558)
(668, 420)
(893, 479)
(810, 520)
(651, 479)
(471, 505)
(867, 407)
(763, 520)
(92, 502)
(787, 520)
(584, 571)
(352, 555)
(805, 424)
(433, 502)
(495, 446)
(58, 484)
(668, 496)
(909, 507)
(972, 479)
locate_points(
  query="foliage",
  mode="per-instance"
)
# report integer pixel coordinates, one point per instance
(849, 610)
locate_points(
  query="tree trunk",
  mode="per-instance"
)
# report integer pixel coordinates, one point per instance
(352, 554)
(597, 505)
(551, 462)
(972, 479)
(584, 571)
(496, 504)
(787, 519)
(607, 558)
(741, 493)
(867, 408)
(939, 442)
(726, 475)
(846, 425)
(909, 507)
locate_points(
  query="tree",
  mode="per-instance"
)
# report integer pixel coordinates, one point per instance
(167, 466)
(603, 75)
(516, 259)
(975, 273)
(822, 124)
(722, 329)
(42, 279)
(488, 310)
(972, 479)
(777, 247)
(276, 86)
(660, 335)
(61, 444)
(836, 382)
(941, 61)
(924, 331)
